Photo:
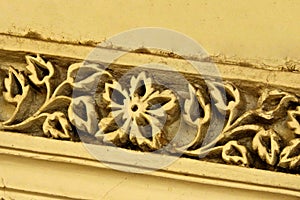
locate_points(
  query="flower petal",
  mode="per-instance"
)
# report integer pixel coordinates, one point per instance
(140, 86)
(165, 100)
(136, 137)
(126, 125)
(155, 124)
(115, 95)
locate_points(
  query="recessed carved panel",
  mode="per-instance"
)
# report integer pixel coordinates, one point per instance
(260, 125)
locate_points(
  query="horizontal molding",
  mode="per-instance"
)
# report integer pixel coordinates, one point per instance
(234, 70)
(27, 150)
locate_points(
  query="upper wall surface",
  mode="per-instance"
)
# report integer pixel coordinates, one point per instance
(245, 29)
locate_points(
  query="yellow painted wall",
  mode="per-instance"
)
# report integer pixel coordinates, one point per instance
(247, 29)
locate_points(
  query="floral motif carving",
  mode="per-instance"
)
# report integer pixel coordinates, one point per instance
(140, 113)
(260, 130)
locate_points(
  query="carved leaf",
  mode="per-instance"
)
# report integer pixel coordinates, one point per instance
(55, 103)
(18, 95)
(191, 108)
(290, 155)
(86, 77)
(40, 71)
(83, 115)
(235, 153)
(273, 104)
(57, 125)
(248, 130)
(16, 90)
(73, 70)
(227, 98)
(193, 114)
(197, 114)
(67, 86)
(266, 143)
(293, 120)
(230, 92)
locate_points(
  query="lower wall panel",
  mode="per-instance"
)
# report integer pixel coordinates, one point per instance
(29, 178)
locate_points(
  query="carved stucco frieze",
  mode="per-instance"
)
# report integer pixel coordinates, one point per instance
(260, 129)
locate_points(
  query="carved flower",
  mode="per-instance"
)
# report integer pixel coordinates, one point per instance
(56, 125)
(139, 113)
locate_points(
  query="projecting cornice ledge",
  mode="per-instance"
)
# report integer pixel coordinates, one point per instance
(39, 168)
(250, 118)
